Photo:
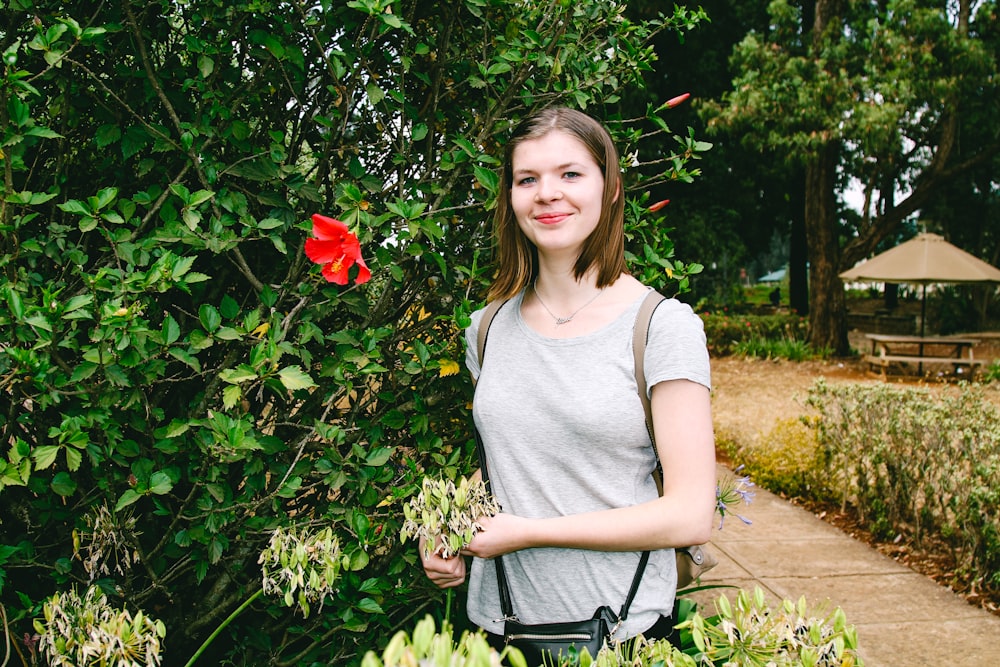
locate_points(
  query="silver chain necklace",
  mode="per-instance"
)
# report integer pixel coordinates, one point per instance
(568, 318)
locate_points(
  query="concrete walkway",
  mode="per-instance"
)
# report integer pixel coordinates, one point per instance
(903, 618)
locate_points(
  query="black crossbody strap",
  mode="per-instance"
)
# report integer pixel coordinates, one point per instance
(639, 336)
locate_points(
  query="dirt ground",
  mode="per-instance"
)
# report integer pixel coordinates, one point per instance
(751, 395)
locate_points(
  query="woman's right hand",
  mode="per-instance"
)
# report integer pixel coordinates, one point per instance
(443, 572)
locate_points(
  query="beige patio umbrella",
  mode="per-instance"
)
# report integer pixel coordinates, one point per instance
(924, 259)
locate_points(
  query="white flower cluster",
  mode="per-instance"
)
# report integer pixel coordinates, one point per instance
(106, 544)
(87, 631)
(429, 647)
(302, 567)
(446, 514)
(749, 633)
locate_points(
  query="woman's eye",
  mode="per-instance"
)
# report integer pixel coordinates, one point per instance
(571, 174)
(527, 180)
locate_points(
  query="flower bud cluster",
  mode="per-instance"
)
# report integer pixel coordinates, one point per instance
(87, 631)
(302, 567)
(446, 514)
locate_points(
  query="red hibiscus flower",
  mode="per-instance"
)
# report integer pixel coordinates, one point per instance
(337, 249)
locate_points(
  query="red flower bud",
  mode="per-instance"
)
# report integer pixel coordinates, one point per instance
(674, 101)
(658, 205)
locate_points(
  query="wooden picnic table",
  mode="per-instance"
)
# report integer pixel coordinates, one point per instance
(903, 351)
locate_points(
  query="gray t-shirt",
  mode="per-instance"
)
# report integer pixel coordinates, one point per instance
(564, 433)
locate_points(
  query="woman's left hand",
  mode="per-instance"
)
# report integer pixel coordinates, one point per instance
(500, 534)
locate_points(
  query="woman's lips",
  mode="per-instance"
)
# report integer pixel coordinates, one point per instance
(551, 218)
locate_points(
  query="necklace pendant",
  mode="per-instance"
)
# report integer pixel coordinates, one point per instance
(563, 320)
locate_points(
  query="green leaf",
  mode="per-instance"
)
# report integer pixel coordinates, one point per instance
(231, 396)
(359, 560)
(104, 197)
(206, 66)
(39, 321)
(291, 487)
(63, 485)
(127, 498)
(176, 428)
(107, 134)
(44, 456)
(18, 111)
(74, 457)
(160, 483)
(14, 303)
(209, 317)
(375, 94)
(78, 302)
(487, 178)
(75, 207)
(293, 377)
(369, 606)
(378, 456)
(43, 132)
(199, 197)
(191, 218)
(170, 330)
(228, 333)
(241, 373)
(186, 357)
(83, 371)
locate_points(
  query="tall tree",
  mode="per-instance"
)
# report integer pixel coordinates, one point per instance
(876, 92)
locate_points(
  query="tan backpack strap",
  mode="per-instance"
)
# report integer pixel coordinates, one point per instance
(640, 334)
(484, 328)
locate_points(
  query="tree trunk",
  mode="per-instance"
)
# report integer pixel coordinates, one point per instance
(827, 307)
(798, 253)
(827, 311)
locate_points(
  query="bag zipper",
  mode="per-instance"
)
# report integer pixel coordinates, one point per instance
(573, 636)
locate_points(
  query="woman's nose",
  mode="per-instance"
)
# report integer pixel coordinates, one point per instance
(547, 191)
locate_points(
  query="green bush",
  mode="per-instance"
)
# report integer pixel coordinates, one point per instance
(917, 464)
(787, 460)
(781, 348)
(728, 334)
(180, 381)
(990, 373)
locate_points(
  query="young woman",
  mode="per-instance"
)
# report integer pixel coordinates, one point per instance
(556, 404)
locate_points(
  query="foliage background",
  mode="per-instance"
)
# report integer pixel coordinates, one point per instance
(177, 382)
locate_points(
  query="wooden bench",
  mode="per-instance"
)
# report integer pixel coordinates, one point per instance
(953, 351)
(884, 361)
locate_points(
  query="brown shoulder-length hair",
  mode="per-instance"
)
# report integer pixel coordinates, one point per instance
(516, 257)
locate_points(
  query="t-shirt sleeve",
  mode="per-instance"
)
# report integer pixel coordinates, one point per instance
(676, 348)
(471, 343)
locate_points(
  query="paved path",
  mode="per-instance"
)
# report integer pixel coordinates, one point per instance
(903, 618)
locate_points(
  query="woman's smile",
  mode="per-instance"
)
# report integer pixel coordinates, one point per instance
(551, 218)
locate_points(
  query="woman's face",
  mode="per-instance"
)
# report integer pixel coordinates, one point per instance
(556, 193)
